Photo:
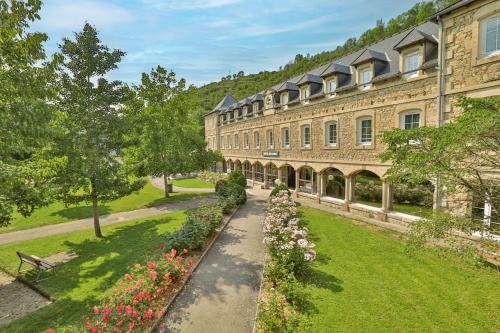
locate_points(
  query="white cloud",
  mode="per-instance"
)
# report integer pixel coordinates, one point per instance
(189, 4)
(72, 15)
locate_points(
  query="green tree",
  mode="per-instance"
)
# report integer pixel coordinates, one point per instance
(94, 125)
(25, 121)
(168, 134)
(462, 154)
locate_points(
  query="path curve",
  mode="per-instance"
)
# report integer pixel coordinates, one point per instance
(223, 292)
(158, 183)
(61, 228)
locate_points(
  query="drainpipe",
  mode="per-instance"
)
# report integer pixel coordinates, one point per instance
(441, 95)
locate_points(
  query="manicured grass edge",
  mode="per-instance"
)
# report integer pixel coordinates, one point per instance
(218, 232)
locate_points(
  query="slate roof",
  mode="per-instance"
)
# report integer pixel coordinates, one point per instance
(310, 78)
(413, 37)
(450, 9)
(368, 55)
(383, 50)
(257, 97)
(225, 103)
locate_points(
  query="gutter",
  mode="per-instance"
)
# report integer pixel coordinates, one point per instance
(440, 95)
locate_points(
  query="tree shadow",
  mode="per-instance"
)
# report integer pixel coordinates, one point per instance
(179, 197)
(80, 212)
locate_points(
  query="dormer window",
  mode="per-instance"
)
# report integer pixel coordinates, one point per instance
(284, 100)
(331, 85)
(305, 94)
(490, 36)
(365, 76)
(411, 64)
(255, 107)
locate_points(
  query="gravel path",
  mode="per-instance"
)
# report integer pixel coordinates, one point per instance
(222, 294)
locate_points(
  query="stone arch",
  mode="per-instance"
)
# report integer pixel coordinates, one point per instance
(238, 165)
(367, 188)
(333, 183)
(287, 175)
(307, 179)
(271, 173)
(258, 168)
(247, 169)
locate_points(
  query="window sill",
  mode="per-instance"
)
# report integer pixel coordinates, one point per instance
(365, 147)
(306, 148)
(327, 147)
(286, 148)
(494, 57)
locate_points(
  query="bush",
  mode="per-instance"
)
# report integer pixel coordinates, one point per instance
(211, 177)
(238, 192)
(221, 188)
(278, 188)
(227, 203)
(200, 223)
(236, 177)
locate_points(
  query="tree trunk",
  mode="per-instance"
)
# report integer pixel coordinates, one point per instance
(165, 184)
(95, 212)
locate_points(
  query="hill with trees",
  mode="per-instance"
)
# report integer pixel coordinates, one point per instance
(240, 85)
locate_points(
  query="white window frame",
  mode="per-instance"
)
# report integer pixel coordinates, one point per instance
(359, 131)
(246, 141)
(255, 107)
(285, 140)
(362, 84)
(411, 73)
(270, 138)
(305, 93)
(305, 143)
(329, 84)
(403, 115)
(256, 139)
(328, 142)
(483, 25)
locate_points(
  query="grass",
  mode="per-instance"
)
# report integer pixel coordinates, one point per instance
(191, 183)
(57, 213)
(363, 281)
(81, 282)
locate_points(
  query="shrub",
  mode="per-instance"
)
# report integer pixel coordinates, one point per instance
(221, 188)
(211, 177)
(238, 192)
(236, 177)
(227, 203)
(278, 188)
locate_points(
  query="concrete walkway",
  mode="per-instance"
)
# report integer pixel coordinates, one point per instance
(61, 228)
(158, 183)
(223, 291)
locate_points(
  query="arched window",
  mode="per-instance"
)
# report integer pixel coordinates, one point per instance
(331, 133)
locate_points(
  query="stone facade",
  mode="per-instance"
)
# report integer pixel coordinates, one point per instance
(387, 99)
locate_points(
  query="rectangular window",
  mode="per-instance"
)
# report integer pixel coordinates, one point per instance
(286, 137)
(305, 94)
(245, 140)
(229, 141)
(411, 120)
(306, 136)
(284, 99)
(270, 142)
(331, 87)
(490, 35)
(331, 134)
(236, 140)
(256, 139)
(364, 78)
(411, 63)
(365, 131)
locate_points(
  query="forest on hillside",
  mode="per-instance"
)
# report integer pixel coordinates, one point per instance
(240, 85)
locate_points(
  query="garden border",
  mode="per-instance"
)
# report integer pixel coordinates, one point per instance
(158, 321)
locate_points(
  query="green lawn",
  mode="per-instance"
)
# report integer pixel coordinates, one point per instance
(191, 183)
(81, 282)
(58, 213)
(362, 281)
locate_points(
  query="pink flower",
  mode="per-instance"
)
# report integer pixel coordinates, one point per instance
(138, 283)
(151, 265)
(50, 330)
(162, 245)
(167, 276)
(128, 277)
(96, 310)
(173, 252)
(154, 275)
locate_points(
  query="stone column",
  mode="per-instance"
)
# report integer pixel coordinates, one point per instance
(321, 186)
(382, 215)
(265, 176)
(348, 193)
(296, 193)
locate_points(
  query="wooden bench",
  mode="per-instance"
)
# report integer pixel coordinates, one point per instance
(39, 264)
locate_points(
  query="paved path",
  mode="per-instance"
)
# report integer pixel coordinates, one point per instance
(61, 228)
(222, 293)
(158, 183)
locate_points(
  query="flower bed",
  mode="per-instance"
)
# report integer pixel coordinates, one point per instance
(140, 297)
(289, 254)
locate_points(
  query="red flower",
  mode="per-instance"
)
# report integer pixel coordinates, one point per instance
(162, 245)
(120, 323)
(151, 265)
(128, 277)
(139, 283)
(167, 276)
(50, 330)
(130, 326)
(154, 275)
(87, 323)
(173, 252)
(190, 263)
(96, 310)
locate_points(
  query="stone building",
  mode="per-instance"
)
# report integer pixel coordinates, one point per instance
(320, 132)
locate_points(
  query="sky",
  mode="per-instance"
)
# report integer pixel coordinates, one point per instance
(204, 40)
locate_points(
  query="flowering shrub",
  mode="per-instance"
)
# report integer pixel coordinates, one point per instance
(211, 177)
(139, 297)
(286, 241)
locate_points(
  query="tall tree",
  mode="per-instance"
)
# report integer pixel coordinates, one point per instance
(93, 124)
(25, 115)
(168, 135)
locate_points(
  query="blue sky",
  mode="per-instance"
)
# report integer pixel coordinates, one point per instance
(203, 40)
